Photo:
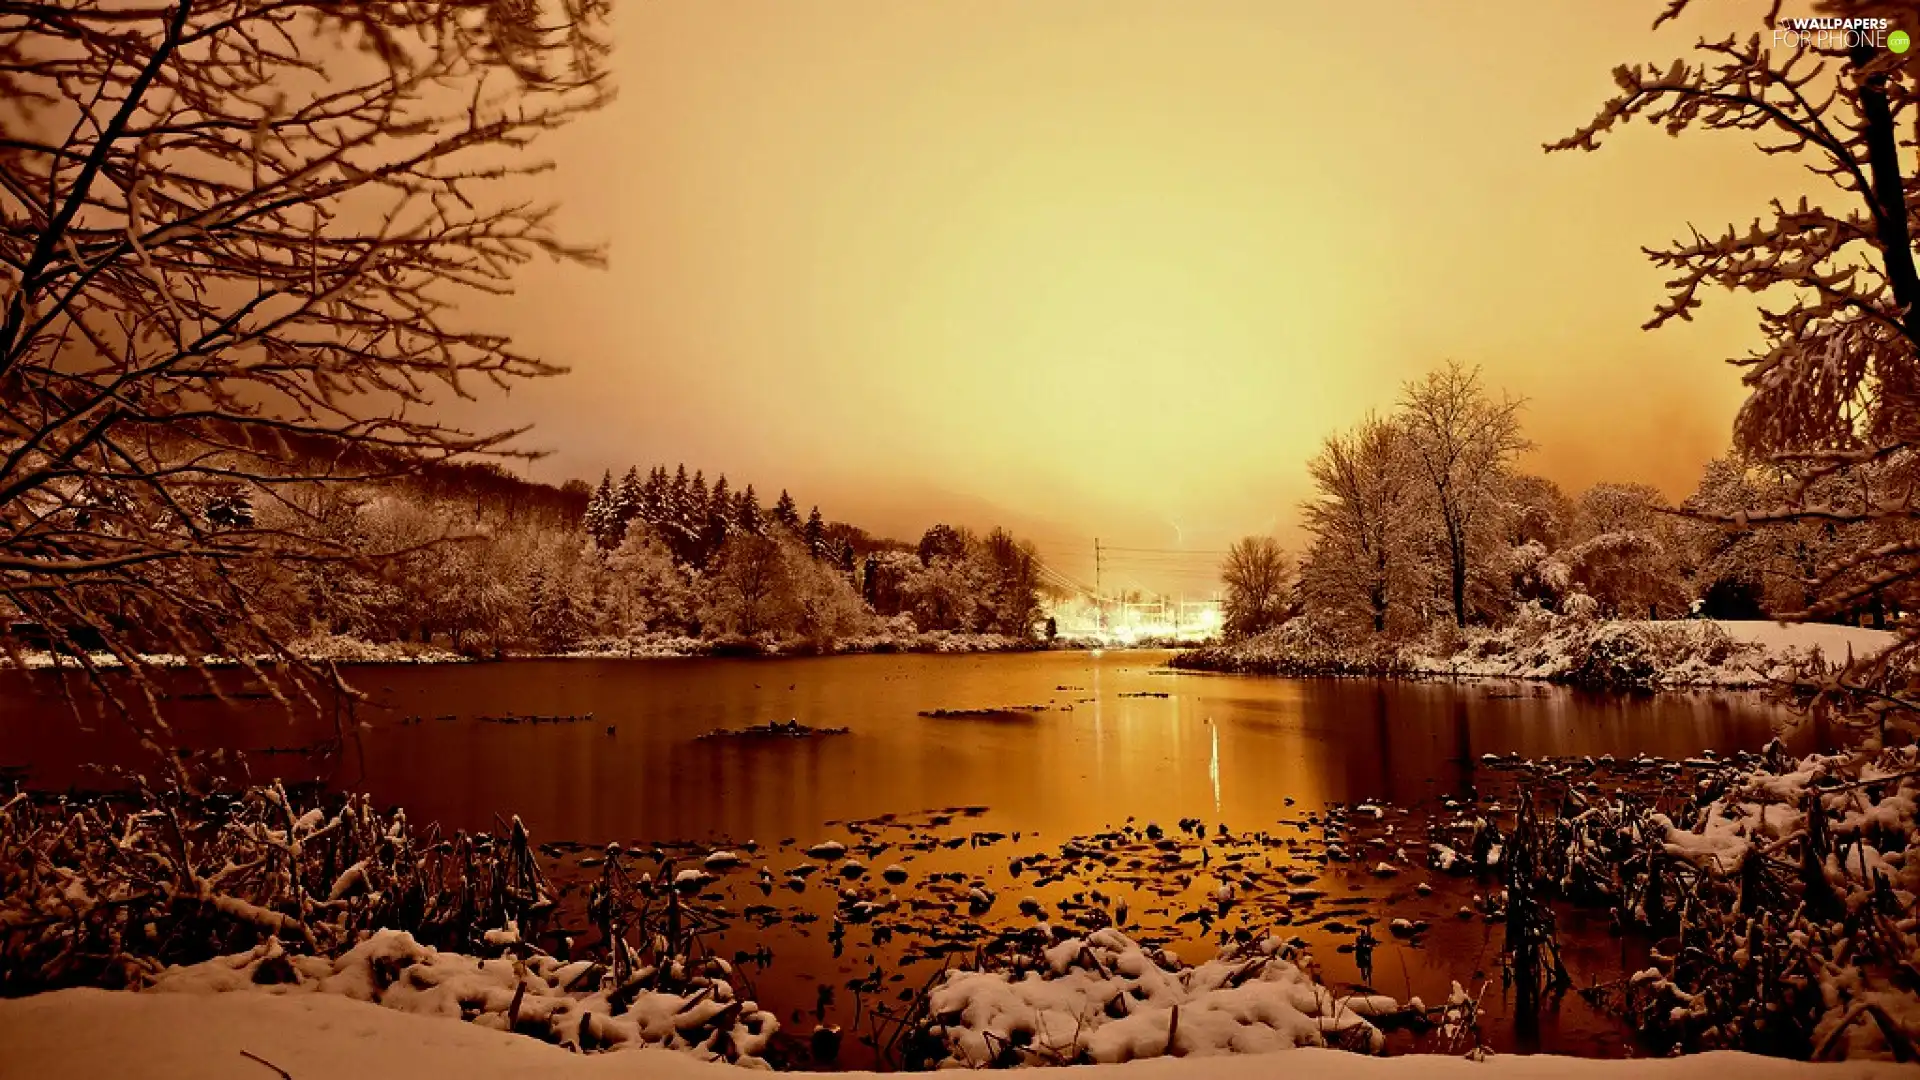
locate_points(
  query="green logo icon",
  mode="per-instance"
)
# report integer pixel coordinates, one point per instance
(1898, 41)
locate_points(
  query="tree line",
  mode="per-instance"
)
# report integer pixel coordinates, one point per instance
(1421, 517)
(479, 567)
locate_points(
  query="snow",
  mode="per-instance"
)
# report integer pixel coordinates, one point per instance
(99, 1033)
(1541, 645)
(347, 649)
(1104, 998)
(336, 647)
(1833, 641)
(539, 995)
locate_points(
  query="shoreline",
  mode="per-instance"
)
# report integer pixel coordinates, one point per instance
(1767, 668)
(356, 652)
(1603, 655)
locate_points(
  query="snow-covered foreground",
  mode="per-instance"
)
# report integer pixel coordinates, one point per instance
(149, 1036)
(1554, 648)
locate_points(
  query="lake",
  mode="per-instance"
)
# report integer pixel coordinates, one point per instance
(1053, 745)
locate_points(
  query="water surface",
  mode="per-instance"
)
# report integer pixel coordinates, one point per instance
(1066, 744)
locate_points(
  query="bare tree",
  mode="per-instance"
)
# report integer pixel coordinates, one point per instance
(750, 580)
(235, 238)
(1359, 522)
(1834, 392)
(1257, 574)
(1461, 441)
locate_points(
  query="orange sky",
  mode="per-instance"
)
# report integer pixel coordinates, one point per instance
(1116, 267)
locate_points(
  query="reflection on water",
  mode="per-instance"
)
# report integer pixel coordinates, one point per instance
(1220, 747)
(1099, 745)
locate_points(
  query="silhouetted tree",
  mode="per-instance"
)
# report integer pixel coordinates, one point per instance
(814, 535)
(1257, 576)
(600, 511)
(746, 513)
(784, 512)
(1363, 522)
(235, 240)
(1461, 442)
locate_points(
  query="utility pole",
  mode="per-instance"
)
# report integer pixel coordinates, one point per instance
(1099, 595)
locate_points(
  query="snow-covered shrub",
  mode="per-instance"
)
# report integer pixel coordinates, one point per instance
(262, 888)
(1105, 998)
(1781, 897)
(1301, 646)
(110, 893)
(573, 1004)
(1614, 658)
(1580, 606)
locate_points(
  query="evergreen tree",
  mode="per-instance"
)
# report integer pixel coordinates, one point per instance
(746, 513)
(653, 497)
(815, 535)
(676, 522)
(693, 522)
(720, 519)
(674, 508)
(599, 519)
(784, 512)
(846, 559)
(626, 503)
(942, 541)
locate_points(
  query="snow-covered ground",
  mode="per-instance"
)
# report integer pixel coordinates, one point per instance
(1833, 641)
(1554, 648)
(151, 1036)
(335, 647)
(351, 650)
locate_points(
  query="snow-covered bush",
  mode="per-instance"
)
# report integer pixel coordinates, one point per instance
(1301, 646)
(109, 891)
(1614, 657)
(261, 888)
(1780, 897)
(573, 1004)
(1105, 998)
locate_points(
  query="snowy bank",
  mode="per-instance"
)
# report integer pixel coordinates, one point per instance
(1604, 654)
(888, 641)
(570, 1004)
(339, 648)
(1104, 999)
(97, 1033)
(345, 649)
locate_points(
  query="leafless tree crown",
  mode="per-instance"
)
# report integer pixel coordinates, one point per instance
(236, 237)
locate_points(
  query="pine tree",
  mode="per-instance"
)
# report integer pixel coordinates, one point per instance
(784, 512)
(746, 512)
(675, 517)
(653, 497)
(816, 535)
(626, 503)
(846, 559)
(674, 509)
(599, 518)
(693, 527)
(720, 519)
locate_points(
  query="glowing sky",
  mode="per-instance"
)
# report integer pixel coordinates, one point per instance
(1116, 267)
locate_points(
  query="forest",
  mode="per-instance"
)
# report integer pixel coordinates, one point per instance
(476, 561)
